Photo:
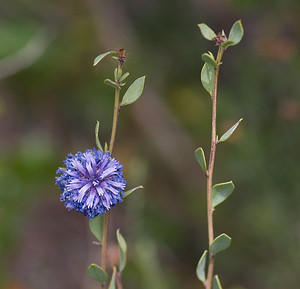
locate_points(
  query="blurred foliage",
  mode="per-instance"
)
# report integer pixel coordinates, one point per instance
(50, 108)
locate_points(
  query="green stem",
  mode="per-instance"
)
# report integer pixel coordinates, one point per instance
(111, 146)
(104, 244)
(213, 147)
(115, 119)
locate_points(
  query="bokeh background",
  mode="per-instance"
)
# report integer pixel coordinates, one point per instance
(51, 97)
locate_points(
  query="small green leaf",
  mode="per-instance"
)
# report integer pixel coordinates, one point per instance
(209, 58)
(111, 83)
(228, 133)
(117, 73)
(200, 158)
(220, 243)
(221, 192)
(207, 77)
(96, 227)
(112, 284)
(236, 32)
(105, 147)
(124, 76)
(206, 31)
(200, 271)
(134, 91)
(127, 193)
(97, 136)
(216, 283)
(227, 43)
(97, 273)
(101, 56)
(123, 250)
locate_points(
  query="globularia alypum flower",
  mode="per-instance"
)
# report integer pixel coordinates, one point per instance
(91, 183)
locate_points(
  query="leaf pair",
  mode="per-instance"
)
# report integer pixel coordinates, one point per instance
(219, 244)
(97, 273)
(199, 153)
(135, 89)
(235, 35)
(220, 192)
(96, 224)
(207, 73)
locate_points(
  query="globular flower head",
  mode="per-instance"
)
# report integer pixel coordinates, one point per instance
(91, 183)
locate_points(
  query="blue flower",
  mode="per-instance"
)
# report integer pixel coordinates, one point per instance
(91, 183)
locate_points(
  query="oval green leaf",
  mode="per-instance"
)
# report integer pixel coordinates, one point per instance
(101, 56)
(209, 58)
(96, 227)
(207, 77)
(200, 270)
(127, 193)
(228, 133)
(206, 31)
(219, 244)
(221, 192)
(112, 284)
(216, 283)
(236, 33)
(200, 158)
(123, 249)
(97, 273)
(227, 43)
(134, 91)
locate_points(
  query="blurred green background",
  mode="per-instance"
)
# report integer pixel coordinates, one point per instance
(51, 97)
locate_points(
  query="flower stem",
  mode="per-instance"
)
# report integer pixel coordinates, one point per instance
(104, 244)
(111, 146)
(213, 147)
(115, 119)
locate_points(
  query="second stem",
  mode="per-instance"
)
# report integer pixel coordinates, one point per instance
(111, 146)
(211, 170)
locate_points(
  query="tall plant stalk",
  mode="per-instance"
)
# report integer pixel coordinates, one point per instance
(111, 146)
(100, 225)
(210, 171)
(218, 193)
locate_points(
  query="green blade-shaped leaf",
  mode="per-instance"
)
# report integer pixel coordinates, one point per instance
(200, 158)
(111, 83)
(221, 192)
(206, 31)
(134, 91)
(219, 244)
(127, 193)
(101, 56)
(99, 146)
(97, 273)
(236, 32)
(200, 270)
(124, 76)
(105, 147)
(207, 77)
(228, 133)
(216, 283)
(123, 250)
(209, 58)
(112, 284)
(96, 227)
